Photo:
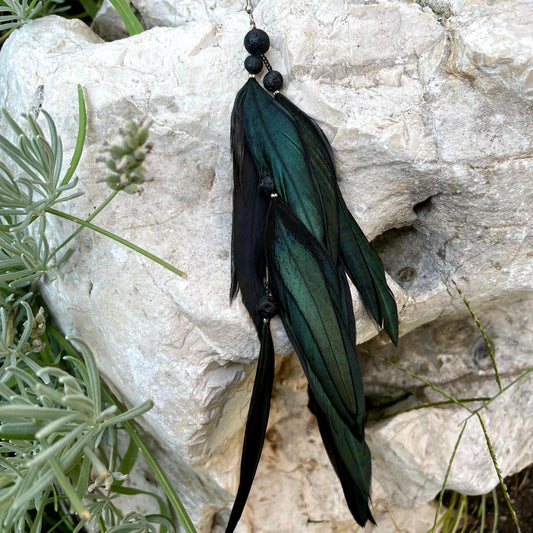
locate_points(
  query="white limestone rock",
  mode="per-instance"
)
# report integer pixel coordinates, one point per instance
(493, 46)
(434, 152)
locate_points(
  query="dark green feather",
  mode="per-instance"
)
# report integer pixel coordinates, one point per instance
(313, 310)
(359, 259)
(363, 265)
(277, 148)
(350, 458)
(308, 289)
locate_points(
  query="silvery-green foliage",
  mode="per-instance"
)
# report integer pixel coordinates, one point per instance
(15, 13)
(32, 183)
(59, 430)
(54, 427)
(37, 184)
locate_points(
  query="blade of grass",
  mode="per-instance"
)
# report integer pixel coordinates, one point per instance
(446, 475)
(499, 473)
(482, 513)
(485, 338)
(496, 396)
(90, 6)
(496, 511)
(80, 139)
(433, 404)
(126, 14)
(155, 467)
(418, 378)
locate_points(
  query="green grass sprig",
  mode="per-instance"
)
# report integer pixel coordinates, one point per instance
(455, 516)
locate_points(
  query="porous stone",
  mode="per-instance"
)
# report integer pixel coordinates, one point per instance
(429, 114)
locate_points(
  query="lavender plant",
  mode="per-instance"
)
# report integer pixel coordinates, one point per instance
(60, 465)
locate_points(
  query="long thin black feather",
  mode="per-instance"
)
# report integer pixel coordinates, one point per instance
(249, 212)
(256, 424)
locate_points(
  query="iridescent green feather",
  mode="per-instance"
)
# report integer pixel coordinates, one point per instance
(303, 238)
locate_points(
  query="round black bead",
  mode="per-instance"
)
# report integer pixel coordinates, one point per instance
(267, 185)
(253, 64)
(267, 306)
(256, 41)
(273, 81)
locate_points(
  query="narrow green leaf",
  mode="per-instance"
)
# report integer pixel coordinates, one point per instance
(155, 467)
(19, 430)
(93, 378)
(69, 490)
(78, 402)
(444, 483)
(83, 477)
(128, 415)
(90, 6)
(130, 458)
(80, 139)
(118, 239)
(58, 446)
(56, 426)
(126, 14)
(23, 411)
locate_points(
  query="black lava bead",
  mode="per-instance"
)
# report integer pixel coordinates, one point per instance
(256, 42)
(267, 307)
(253, 64)
(273, 81)
(267, 185)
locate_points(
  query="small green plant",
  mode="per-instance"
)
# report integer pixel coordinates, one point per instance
(15, 13)
(52, 418)
(60, 464)
(459, 517)
(38, 189)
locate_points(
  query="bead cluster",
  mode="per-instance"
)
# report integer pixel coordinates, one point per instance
(257, 43)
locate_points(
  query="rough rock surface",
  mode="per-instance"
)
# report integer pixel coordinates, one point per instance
(428, 106)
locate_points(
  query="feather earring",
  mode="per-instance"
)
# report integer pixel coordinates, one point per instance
(293, 243)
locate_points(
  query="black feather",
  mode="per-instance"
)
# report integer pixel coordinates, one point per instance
(256, 424)
(249, 212)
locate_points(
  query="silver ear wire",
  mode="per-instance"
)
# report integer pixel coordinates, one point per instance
(250, 11)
